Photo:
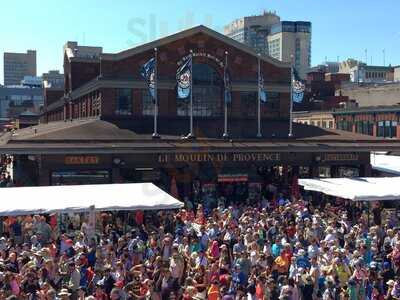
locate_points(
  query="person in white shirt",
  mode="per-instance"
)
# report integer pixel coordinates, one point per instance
(201, 260)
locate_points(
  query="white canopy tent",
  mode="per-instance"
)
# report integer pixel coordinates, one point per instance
(79, 198)
(356, 189)
(386, 163)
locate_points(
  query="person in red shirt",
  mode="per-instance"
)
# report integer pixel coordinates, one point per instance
(139, 217)
(287, 253)
(260, 288)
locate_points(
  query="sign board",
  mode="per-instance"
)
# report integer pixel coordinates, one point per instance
(202, 54)
(81, 160)
(219, 157)
(342, 157)
(233, 178)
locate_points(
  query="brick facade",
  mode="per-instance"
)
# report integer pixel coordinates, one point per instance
(374, 117)
(101, 79)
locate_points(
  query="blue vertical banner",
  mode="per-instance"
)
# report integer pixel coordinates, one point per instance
(147, 71)
(184, 78)
(263, 92)
(298, 88)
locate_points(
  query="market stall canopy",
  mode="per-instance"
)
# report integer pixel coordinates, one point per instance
(386, 163)
(78, 198)
(356, 189)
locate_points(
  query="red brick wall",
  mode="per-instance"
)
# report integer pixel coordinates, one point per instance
(52, 95)
(83, 72)
(108, 102)
(242, 68)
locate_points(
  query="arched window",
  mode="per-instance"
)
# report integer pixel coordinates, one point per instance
(207, 93)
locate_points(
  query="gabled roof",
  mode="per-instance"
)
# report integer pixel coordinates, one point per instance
(187, 33)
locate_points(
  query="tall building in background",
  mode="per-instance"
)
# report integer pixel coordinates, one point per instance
(291, 42)
(18, 65)
(53, 79)
(253, 30)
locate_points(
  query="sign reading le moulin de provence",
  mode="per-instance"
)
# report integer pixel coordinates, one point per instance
(218, 157)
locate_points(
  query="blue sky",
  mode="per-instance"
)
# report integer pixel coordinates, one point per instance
(343, 28)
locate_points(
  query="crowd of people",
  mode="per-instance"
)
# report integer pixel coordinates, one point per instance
(5, 178)
(279, 247)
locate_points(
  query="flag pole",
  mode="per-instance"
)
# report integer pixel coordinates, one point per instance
(155, 133)
(191, 134)
(225, 135)
(259, 98)
(291, 100)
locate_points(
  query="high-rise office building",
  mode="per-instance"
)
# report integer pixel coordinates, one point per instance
(18, 65)
(291, 42)
(253, 30)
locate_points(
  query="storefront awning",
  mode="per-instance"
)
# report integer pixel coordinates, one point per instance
(79, 198)
(386, 163)
(356, 189)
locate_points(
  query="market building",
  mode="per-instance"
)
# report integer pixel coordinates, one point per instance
(100, 129)
(377, 121)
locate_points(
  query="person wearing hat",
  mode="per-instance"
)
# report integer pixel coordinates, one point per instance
(64, 294)
(341, 270)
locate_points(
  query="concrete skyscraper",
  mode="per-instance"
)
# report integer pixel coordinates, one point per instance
(291, 42)
(253, 30)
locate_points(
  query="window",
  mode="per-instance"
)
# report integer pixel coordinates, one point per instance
(345, 125)
(348, 172)
(330, 124)
(323, 124)
(359, 127)
(249, 103)
(388, 129)
(148, 103)
(381, 129)
(367, 127)
(207, 93)
(124, 102)
(394, 129)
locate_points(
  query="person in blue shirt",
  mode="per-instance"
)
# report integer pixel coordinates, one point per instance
(281, 200)
(276, 247)
(238, 277)
(302, 260)
(239, 246)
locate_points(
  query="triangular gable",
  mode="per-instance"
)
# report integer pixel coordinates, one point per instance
(187, 33)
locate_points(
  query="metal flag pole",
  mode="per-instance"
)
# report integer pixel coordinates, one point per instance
(155, 133)
(259, 98)
(291, 103)
(225, 135)
(191, 134)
